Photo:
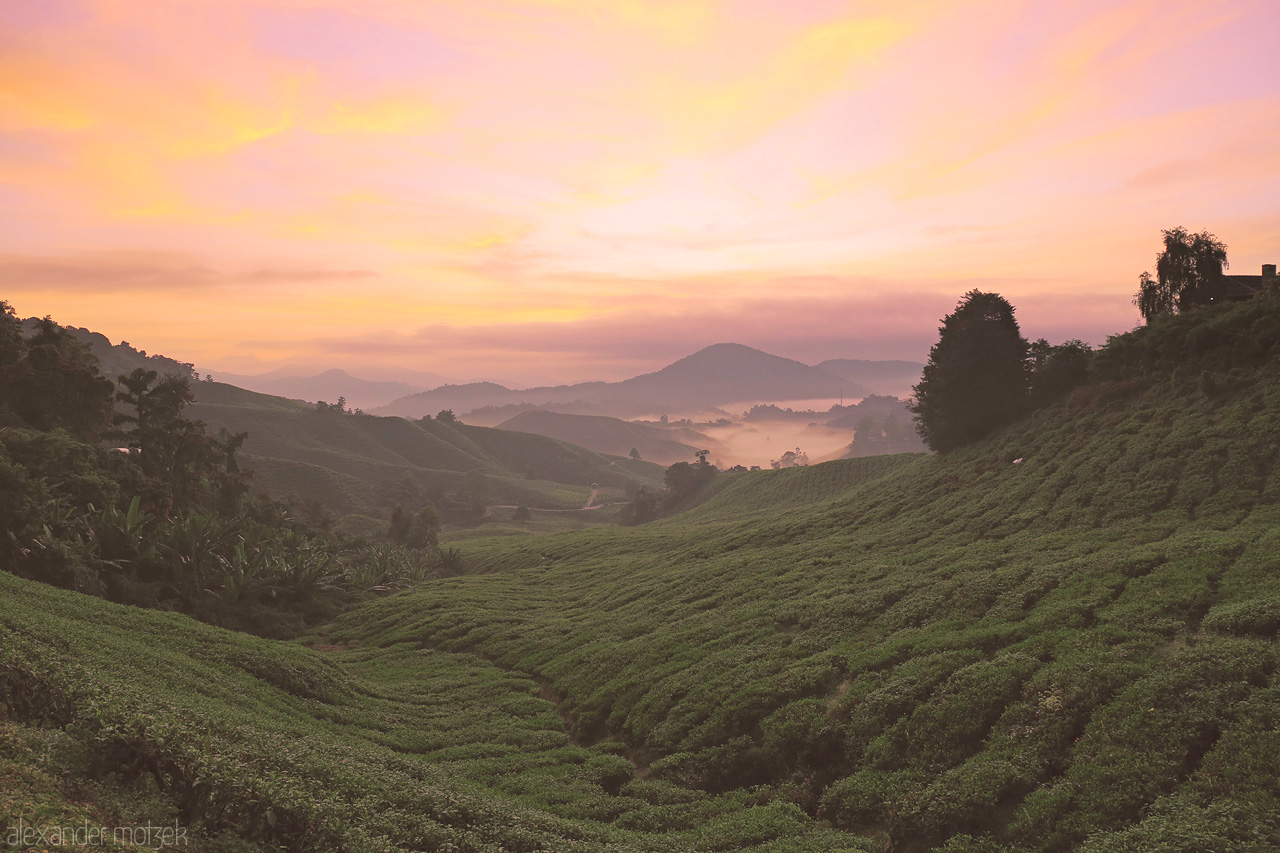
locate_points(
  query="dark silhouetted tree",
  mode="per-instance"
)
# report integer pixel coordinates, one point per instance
(634, 454)
(975, 380)
(1188, 274)
(180, 459)
(447, 417)
(522, 514)
(50, 380)
(683, 479)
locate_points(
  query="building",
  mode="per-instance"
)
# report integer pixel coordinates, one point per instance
(1237, 288)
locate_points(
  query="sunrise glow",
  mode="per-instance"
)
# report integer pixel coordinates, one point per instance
(582, 189)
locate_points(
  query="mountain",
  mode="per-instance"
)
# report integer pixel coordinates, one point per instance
(366, 465)
(877, 377)
(329, 386)
(714, 376)
(613, 436)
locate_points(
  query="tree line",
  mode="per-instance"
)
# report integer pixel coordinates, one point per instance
(983, 374)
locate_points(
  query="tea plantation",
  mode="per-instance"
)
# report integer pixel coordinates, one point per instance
(1061, 638)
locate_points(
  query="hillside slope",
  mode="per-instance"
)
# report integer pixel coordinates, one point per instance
(607, 435)
(1061, 638)
(360, 463)
(272, 746)
(329, 386)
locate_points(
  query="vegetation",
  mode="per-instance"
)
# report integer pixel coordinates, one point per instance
(1062, 637)
(975, 380)
(162, 521)
(1074, 651)
(982, 375)
(1188, 274)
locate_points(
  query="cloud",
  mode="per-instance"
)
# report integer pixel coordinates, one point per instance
(882, 325)
(148, 272)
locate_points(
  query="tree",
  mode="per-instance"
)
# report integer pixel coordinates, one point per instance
(176, 454)
(522, 514)
(975, 380)
(683, 479)
(1188, 274)
(634, 454)
(50, 380)
(418, 530)
(447, 417)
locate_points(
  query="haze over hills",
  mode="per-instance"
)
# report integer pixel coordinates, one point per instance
(877, 377)
(613, 435)
(329, 386)
(714, 376)
(364, 464)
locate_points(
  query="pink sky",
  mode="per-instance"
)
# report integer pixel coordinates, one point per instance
(591, 188)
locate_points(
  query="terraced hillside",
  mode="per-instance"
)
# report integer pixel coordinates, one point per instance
(354, 463)
(114, 715)
(1061, 638)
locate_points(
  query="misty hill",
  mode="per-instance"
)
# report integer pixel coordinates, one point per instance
(716, 375)
(613, 436)
(329, 386)
(876, 377)
(367, 465)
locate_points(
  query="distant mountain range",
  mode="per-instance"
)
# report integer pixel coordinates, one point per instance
(718, 375)
(330, 385)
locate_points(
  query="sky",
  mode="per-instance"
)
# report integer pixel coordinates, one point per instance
(533, 190)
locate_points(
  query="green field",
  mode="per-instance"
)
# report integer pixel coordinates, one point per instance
(1060, 638)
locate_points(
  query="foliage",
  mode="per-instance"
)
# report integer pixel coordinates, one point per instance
(418, 530)
(975, 380)
(164, 524)
(1074, 651)
(1188, 274)
(684, 479)
(50, 381)
(1054, 371)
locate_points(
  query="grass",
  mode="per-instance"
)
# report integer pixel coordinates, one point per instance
(1061, 638)
(1048, 653)
(398, 748)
